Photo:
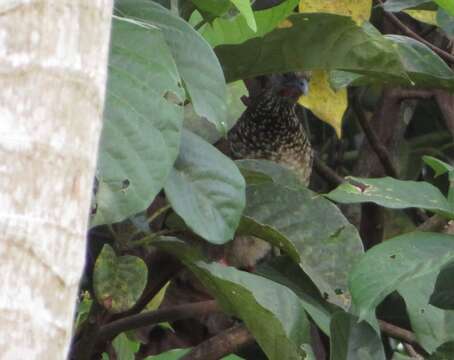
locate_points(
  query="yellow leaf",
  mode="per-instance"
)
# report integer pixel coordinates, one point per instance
(157, 299)
(425, 16)
(358, 10)
(324, 102)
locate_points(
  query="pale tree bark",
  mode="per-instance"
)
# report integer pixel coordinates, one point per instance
(53, 65)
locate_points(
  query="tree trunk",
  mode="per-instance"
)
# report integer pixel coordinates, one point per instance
(53, 66)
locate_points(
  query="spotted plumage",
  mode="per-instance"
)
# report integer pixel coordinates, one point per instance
(270, 129)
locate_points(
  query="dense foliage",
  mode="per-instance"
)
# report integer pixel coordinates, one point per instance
(166, 199)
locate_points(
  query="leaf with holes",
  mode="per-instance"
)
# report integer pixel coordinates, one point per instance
(142, 127)
(118, 281)
(431, 325)
(443, 294)
(397, 262)
(354, 340)
(206, 189)
(273, 313)
(313, 226)
(202, 74)
(392, 193)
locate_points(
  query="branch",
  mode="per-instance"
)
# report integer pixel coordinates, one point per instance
(407, 31)
(179, 312)
(374, 141)
(222, 344)
(327, 173)
(398, 333)
(82, 349)
(401, 334)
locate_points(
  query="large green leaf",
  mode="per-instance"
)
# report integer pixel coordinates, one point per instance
(118, 281)
(244, 7)
(422, 67)
(446, 22)
(235, 107)
(289, 274)
(353, 340)
(444, 352)
(398, 5)
(141, 133)
(394, 263)
(206, 189)
(234, 31)
(327, 244)
(421, 64)
(341, 46)
(448, 5)
(202, 74)
(443, 294)
(392, 193)
(272, 312)
(216, 8)
(431, 325)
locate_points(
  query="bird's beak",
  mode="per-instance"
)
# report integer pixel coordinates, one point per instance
(304, 86)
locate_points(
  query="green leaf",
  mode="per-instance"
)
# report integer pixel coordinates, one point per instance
(448, 5)
(141, 132)
(446, 22)
(124, 347)
(392, 193)
(244, 7)
(207, 130)
(443, 294)
(118, 281)
(444, 352)
(341, 45)
(202, 74)
(235, 31)
(289, 274)
(272, 312)
(316, 228)
(431, 325)
(440, 167)
(351, 339)
(394, 263)
(177, 354)
(268, 171)
(216, 8)
(206, 189)
(249, 226)
(398, 5)
(422, 65)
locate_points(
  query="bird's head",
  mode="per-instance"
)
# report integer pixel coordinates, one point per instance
(291, 86)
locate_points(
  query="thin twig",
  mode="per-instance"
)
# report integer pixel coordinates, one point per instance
(327, 173)
(186, 311)
(407, 31)
(398, 333)
(374, 141)
(157, 213)
(221, 345)
(412, 352)
(434, 224)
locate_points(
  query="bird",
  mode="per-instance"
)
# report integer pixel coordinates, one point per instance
(270, 129)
